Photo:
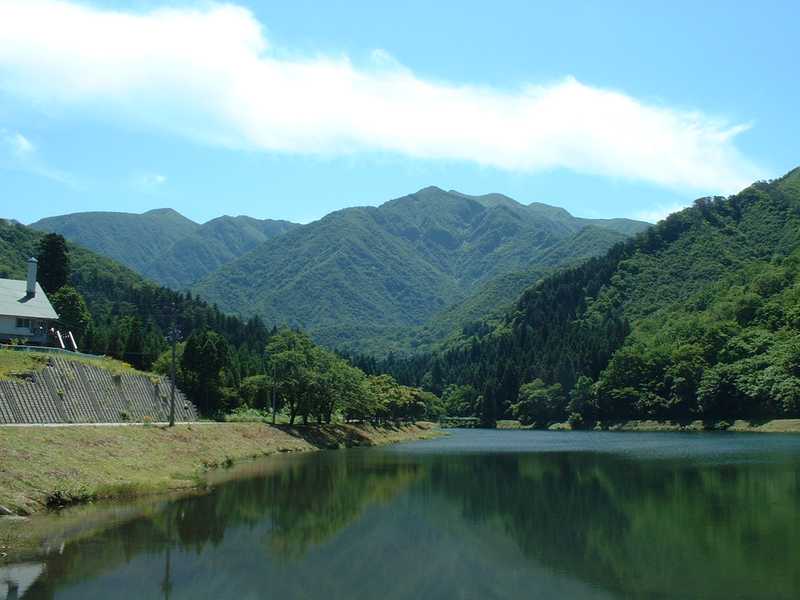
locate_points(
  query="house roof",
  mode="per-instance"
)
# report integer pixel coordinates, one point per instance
(14, 301)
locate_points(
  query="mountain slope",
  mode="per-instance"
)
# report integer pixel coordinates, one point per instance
(695, 317)
(130, 239)
(121, 300)
(211, 246)
(162, 244)
(360, 272)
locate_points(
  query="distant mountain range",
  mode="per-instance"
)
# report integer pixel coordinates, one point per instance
(402, 275)
(162, 244)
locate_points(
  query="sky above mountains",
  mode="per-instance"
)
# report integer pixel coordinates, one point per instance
(294, 109)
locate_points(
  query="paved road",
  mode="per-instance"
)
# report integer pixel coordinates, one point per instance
(103, 424)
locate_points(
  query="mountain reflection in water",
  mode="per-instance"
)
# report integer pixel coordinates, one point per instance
(482, 514)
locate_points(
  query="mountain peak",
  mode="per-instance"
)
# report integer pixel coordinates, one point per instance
(164, 212)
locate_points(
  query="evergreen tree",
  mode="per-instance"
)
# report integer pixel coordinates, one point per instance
(205, 357)
(134, 345)
(53, 262)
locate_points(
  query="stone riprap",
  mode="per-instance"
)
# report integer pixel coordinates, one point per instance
(68, 391)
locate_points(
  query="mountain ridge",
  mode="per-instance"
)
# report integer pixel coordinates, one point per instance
(396, 264)
(694, 318)
(382, 278)
(162, 244)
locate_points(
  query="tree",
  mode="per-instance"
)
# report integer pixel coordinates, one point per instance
(582, 406)
(53, 270)
(134, 345)
(72, 310)
(539, 403)
(205, 357)
(291, 359)
(460, 400)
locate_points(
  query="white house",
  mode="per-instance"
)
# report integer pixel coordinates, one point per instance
(25, 312)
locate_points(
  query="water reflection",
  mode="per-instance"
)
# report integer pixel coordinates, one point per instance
(397, 524)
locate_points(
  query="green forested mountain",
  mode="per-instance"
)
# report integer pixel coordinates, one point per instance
(162, 244)
(363, 277)
(211, 246)
(221, 363)
(130, 316)
(695, 318)
(130, 239)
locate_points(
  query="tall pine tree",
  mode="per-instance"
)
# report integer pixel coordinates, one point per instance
(53, 262)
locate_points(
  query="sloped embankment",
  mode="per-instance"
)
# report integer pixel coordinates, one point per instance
(72, 391)
(52, 466)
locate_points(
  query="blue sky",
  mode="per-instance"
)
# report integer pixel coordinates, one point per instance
(294, 109)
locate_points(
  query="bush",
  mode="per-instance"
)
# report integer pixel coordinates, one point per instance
(576, 421)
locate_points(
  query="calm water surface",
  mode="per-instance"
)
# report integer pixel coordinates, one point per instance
(480, 514)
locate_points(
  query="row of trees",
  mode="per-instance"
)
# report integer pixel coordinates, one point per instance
(305, 381)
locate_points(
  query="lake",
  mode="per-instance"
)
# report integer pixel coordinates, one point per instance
(478, 514)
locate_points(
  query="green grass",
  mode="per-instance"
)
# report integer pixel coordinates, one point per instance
(53, 466)
(15, 363)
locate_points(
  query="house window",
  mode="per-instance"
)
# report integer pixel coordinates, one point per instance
(23, 323)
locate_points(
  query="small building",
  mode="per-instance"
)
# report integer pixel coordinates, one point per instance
(25, 311)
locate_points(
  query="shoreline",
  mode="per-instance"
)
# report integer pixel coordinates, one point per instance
(53, 467)
(653, 426)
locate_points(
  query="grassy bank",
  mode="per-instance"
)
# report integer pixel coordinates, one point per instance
(51, 466)
(18, 364)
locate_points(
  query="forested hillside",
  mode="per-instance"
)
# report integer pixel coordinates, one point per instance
(130, 239)
(222, 361)
(696, 317)
(359, 278)
(214, 244)
(162, 244)
(129, 317)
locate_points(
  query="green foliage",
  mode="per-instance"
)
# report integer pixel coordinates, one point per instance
(53, 268)
(314, 383)
(162, 244)
(71, 309)
(695, 318)
(130, 239)
(539, 403)
(360, 277)
(123, 304)
(460, 400)
(205, 366)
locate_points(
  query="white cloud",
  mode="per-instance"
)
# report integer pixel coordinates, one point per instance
(209, 73)
(20, 145)
(148, 181)
(18, 153)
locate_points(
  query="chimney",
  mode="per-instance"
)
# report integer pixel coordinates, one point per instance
(32, 268)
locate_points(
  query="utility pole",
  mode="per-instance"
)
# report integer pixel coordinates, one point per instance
(173, 338)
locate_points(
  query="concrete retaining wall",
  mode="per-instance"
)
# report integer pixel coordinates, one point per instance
(68, 391)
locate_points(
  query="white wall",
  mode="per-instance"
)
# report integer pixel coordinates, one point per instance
(9, 329)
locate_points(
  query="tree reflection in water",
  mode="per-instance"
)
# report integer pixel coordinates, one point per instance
(630, 527)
